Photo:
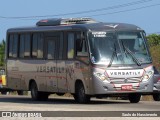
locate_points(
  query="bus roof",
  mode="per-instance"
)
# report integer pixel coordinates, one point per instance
(74, 24)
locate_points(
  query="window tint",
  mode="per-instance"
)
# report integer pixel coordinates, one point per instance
(60, 55)
(10, 45)
(70, 53)
(81, 48)
(27, 45)
(37, 45)
(22, 45)
(34, 46)
(21, 49)
(13, 45)
(40, 46)
(51, 49)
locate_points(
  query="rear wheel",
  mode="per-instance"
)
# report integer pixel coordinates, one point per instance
(36, 95)
(156, 96)
(80, 95)
(4, 92)
(134, 98)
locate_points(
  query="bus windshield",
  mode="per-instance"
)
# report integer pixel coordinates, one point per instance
(118, 48)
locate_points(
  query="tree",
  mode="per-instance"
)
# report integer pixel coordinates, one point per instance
(2, 53)
(154, 46)
(153, 40)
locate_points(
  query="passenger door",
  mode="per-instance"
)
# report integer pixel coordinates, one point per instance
(61, 66)
(51, 63)
(70, 62)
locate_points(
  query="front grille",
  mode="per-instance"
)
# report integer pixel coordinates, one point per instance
(124, 80)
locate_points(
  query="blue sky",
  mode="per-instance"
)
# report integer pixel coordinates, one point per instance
(147, 18)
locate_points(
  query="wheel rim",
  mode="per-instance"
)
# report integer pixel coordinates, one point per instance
(82, 92)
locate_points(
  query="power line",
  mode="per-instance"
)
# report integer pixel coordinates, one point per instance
(126, 10)
(153, 33)
(83, 12)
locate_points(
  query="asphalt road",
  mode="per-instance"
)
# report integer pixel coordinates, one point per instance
(24, 103)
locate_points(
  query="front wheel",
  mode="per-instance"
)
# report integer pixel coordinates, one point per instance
(36, 95)
(80, 95)
(156, 96)
(134, 98)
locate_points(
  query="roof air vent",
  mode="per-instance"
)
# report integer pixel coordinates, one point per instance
(61, 21)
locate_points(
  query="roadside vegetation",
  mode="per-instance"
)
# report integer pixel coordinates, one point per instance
(2, 53)
(154, 47)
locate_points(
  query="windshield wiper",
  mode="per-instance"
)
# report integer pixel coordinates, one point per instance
(130, 52)
(113, 55)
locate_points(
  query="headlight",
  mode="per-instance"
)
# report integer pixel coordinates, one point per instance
(101, 76)
(147, 76)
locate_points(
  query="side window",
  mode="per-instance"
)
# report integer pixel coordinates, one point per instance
(81, 46)
(70, 50)
(13, 46)
(21, 49)
(51, 49)
(40, 46)
(37, 45)
(27, 45)
(60, 55)
(10, 45)
(34, 46)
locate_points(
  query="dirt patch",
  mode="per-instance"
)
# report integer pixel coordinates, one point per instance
(147, 98)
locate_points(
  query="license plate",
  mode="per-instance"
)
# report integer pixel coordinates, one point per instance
(126, 87)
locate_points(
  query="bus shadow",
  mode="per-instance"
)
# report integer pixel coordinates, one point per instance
(55, 100)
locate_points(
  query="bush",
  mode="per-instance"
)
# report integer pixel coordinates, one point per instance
(154, 47)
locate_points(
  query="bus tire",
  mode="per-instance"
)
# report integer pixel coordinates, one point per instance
(134, 98)
(36, 95)
(4, 92)
(156, 96)
(80, 95)
(34, 92)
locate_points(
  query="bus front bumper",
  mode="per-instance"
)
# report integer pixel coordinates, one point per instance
(101, 87)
